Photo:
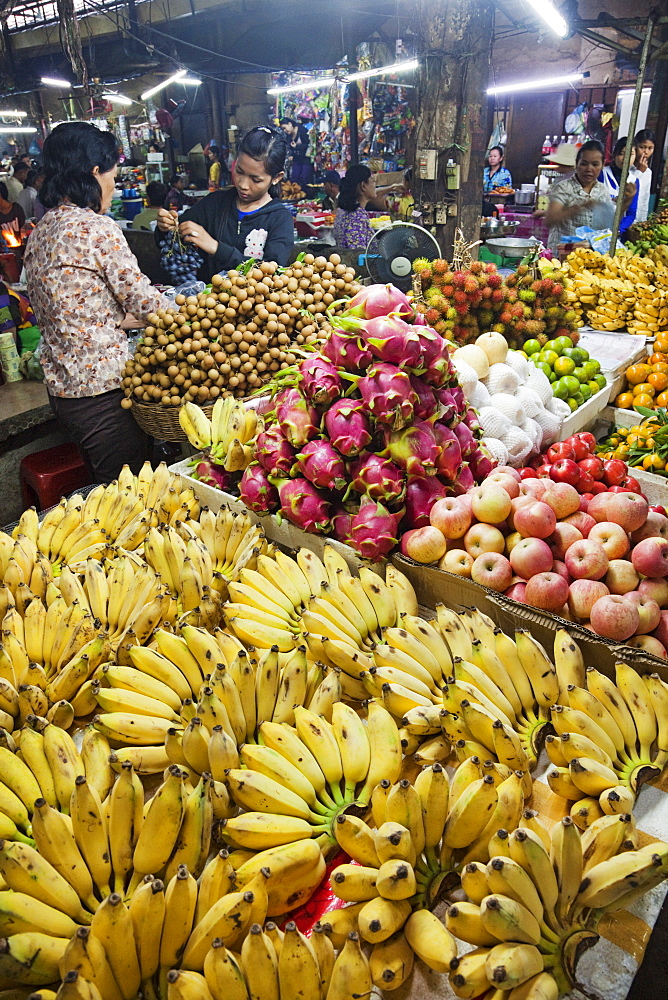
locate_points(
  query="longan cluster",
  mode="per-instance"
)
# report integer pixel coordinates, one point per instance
(231, 339)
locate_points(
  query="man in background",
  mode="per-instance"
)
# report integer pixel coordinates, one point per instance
(16, 182)
(156, 192)
(176, 199)
(331, 188)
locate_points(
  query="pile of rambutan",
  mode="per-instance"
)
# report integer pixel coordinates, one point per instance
(460, 304)
(535, 306)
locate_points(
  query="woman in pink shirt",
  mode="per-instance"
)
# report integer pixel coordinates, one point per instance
(86, 288)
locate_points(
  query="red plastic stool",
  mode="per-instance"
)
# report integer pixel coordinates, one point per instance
(46, 476)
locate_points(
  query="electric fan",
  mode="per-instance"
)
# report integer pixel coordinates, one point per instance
(391, 252)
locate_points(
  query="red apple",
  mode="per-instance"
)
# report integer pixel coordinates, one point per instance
(562, 538)
(511, 541)
(547, 591)
(588, 439)
(649, 611)
(492, 570)
(585, 483)
(424, 545)
(560, 567)
(558, 451)
(615, 618)
(521, 501)
(661, 631)
(650, 557)
(586, 560)
(631, 483)
(598, 506)
(612, 537)
(536, 520)
(490, 504)
(657, 589)
(580, 448)
(457, 561)
(517, 592)
(509, 483)
(543, 471)
(531, 556)
(509, 471)
(658, 509)
(584, 501)
(627, 509)
(566, 471)
(584, 522)
(593, 465)
(451, 517)
(648, 644)
(527, 473)
(483, 538)
(562, 498)
(583, 595)
(614, 470)
(598, 488)
(621, 577)
(656, 524)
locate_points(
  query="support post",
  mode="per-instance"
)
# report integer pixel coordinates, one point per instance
(353, 94)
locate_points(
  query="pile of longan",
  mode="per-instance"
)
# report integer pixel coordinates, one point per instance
(233, 338)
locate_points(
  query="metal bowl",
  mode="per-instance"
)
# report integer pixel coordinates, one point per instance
(497, 227)
(511, 246)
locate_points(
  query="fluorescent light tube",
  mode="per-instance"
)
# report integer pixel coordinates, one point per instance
(190, 81)
(548, 81)
(401, 67)
(8, 130)
(551, 16)
(314, 84)
(117, 99)
(54, 81)
(13, 114)
(165, 83)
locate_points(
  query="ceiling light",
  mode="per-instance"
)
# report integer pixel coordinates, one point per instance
(117, 99)
(9, 130)
(165, 83)
(13, 114)
(548, 81)
(54, 81)
(190, 81)
(401, 67)
(313, 84)
(551, 16)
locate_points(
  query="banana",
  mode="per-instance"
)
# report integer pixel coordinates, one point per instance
(54, 841)
(351, 975)
(463, 920)
(161, 826)
(318, 735)
(147, 911)
(354, 883)
(538, 667)
(222, 921)
(223, 974)
(430, 940)
(568, 662)
(32, 752)
(606, 883)
(605, 838)
(474, 881)
(112, 926)
(611, 698)
(381, 597)
(85, 954)
(31, 958)
(261, 830)
(468, 976)
(509, 920)
(391, 962)
(509, 965)
(573, 745)
(470, 813)
(618, 799)
(507, 652)
(541, 987)
(567, 720)
(584, 701)
(90, 833)
(325, 955)
(126, 727)
(396, 879)
(566, 858)
(194, 841)
(257, 792)
(528, 850)
(285, 741)
(297, 963)
(636, 696)
(19, 778)
(26, 871)
(21, 913)
(508, 878)
(180, 904)
(354, 747)
(505, 816)
(404, 806)
(591, 777)
(433, 788)
(356, 839)
(453, 631)
(380, 918)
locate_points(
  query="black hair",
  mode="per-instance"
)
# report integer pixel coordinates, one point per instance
(644, 135)
(21, 166)
(31, 178)
(287, 121)
(70, 153)
(355, 175)
(175, 178)
(270, 147)
(620, 146)
(4, 193)
(590, 146)
(332, 177)
(500, 149)
(214, 149)
(156, 192)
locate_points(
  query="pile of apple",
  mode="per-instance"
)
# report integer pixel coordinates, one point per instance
(574, 461)
(599, 561)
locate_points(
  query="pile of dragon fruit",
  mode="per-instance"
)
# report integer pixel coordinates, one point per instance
(368, 434)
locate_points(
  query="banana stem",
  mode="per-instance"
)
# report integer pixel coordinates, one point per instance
(336, 793)
(432, 859)
(148, 990)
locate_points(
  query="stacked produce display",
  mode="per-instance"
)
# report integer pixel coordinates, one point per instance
(234, 336)
(646, 384)
(650, 238)
(642, 445)
(365, 436)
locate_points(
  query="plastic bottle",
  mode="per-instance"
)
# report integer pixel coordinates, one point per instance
(547, 146)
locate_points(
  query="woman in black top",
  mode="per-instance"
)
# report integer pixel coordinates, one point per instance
(246, 220)
(302, 168)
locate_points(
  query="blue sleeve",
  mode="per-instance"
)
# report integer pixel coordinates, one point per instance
(630, 215)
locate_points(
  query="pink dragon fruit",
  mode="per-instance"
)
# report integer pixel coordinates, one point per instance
(378, 477)
(467, 441)
(303, 504)
(347, 351)
(415, 449)
(447, 401)
(322, 465)
(421, 494)
(379, 300)
(257, 492)
(388, 395)
(347, 427)
(481, 463)
(464, 481)
(438, 373)
(374, 530)
(320, 380)
(341, 521)
(419, 319)
(427, 404)
(213, 475)
(450, 458)
(394, 341)
(460, 399)
(432, 345)
(471, 420)
(273, 452)
(297, 419)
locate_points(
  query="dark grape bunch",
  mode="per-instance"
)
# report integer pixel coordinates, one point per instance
(180, 260)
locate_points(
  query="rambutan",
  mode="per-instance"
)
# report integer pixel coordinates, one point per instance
(517, 310)
(432, 316)
(441, 326)
(522, 270)
(421, 264)
(494, 280)
(505, 318)
(451, 313)
(470, 284)
(557, 290)
(537, 286)
(486, 292)
(485, 317)
(499, 328)
(425, 276)
(475, 267)
(534, 327)
(538, 313)
(458, 279)
(497, 295)
(460, 297)
(490, 267)
(440, 266)
(475, 298)
(547, 286)
(462, 308)
(448, 291)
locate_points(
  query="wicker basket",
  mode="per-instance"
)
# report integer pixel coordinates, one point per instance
(162, 422)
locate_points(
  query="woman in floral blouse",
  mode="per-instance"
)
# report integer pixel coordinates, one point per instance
(351, 225)
(86, 288)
